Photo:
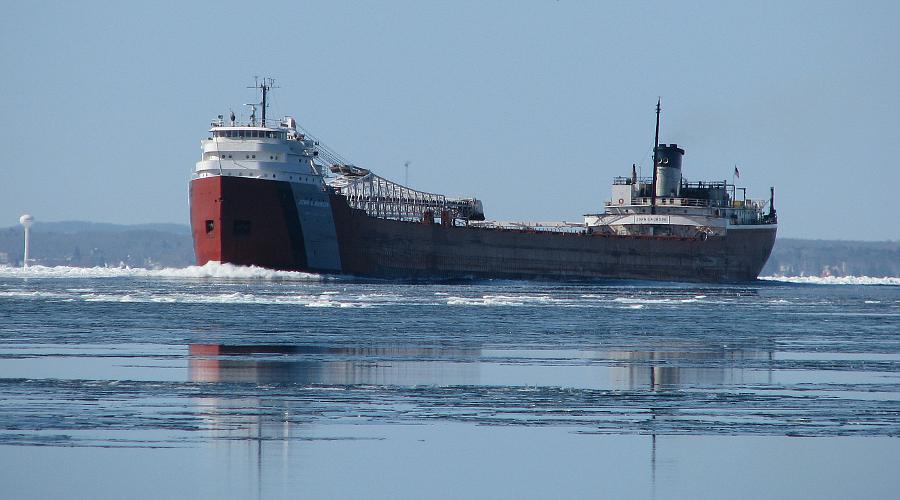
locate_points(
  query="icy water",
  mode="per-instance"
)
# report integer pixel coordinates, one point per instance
(223, 382)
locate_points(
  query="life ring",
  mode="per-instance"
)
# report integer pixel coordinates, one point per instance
(621, 201)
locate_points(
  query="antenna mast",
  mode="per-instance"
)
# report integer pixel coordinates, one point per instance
(265, 86)
(655, 160)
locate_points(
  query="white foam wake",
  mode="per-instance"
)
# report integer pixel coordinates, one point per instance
(834, 280)
(503, 300)
(208, 270)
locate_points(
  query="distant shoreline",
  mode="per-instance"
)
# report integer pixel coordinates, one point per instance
(153, 246)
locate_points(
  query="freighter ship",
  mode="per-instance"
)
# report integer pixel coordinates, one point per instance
(269, 194)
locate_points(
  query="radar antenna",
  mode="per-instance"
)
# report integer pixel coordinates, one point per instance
(252, 113)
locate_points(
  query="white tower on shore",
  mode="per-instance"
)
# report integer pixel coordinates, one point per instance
(26, 220)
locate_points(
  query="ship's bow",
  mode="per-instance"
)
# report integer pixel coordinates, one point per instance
(246, 221)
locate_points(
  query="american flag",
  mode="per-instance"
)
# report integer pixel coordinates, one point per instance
(737, 173)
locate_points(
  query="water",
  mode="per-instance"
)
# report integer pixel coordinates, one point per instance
(246, 383)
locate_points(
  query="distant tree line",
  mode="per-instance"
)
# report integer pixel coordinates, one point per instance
(792, 257)
(103, 245)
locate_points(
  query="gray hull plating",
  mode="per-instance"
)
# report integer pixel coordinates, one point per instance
(317, 226)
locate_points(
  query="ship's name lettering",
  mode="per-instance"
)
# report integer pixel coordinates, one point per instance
(651, 219)
(312, 203)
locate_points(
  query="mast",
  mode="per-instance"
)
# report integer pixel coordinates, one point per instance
(655, 161)
(266, 85)
(265, 90)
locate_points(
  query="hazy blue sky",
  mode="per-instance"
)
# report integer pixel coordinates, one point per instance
(531, 106)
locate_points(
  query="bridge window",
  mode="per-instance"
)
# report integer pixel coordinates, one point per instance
(262, 134)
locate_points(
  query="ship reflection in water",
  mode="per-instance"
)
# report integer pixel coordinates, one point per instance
(440, 366)
(298, 364)
(277, 404)
(660, 369)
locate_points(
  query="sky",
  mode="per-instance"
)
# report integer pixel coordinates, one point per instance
(531, 106)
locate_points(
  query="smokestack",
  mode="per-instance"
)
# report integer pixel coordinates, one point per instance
(668, 181)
